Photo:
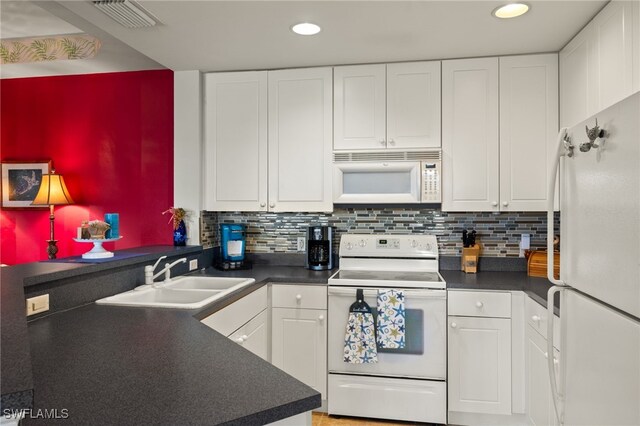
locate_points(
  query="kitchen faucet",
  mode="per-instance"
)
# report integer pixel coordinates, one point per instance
(149, 270)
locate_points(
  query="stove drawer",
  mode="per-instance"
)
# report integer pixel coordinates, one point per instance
(387, 398)
(303, 296)
(479, 303)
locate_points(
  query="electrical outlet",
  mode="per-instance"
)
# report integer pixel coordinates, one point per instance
(301, 244)
(525, 243)
(37, 304)
(193, 264)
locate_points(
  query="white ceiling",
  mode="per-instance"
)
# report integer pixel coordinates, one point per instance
(33, 19)
(236, 35)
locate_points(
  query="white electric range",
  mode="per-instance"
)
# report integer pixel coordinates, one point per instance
(405, 384)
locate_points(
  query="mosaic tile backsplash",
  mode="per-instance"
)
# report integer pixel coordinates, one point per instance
(499, 233)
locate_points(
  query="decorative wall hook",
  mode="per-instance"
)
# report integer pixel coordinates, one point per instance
(593, 134)
(568, 146)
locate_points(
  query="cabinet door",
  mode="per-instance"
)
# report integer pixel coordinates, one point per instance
(528, 130)
(235, 169)
(300, 131)
(470, 135)
(613, 55)
(576, 79)
(413, 105)
(299, 345)
(537, 377)
(479, 365)
(254, 336)
(359, 107)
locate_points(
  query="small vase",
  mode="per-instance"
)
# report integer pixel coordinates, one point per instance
(180, 234)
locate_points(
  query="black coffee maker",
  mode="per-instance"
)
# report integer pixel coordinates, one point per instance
(319, 248)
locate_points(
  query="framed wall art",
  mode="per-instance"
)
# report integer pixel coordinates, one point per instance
(21, 181)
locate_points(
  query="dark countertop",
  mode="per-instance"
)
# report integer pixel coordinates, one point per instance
(121, 365)
(536, 288)
(146, 365)
(48, 270)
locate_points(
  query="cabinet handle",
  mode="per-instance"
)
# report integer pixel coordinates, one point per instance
(494, 204)
(454, 325)
(479, 304)
(272, 205)
(239, 340)
(299, 297)
(263, 204)
(383, 142)
(504, 203)
(535, 318)
(321, 318)
(392, 142)
(244, 337)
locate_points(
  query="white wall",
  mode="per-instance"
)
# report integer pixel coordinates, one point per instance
(188, 149)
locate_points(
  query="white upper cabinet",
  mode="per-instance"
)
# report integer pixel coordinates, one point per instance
(235, 169)
(599, 66)
(528, 130)
(381, 106)
(300, 135)
(413, 105)
(278, 164)
(359, 107)
(636, 47)
(470, 135)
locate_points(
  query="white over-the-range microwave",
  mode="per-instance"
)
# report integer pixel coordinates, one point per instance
(387, 177)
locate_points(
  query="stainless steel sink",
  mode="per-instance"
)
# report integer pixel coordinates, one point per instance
(180, 293)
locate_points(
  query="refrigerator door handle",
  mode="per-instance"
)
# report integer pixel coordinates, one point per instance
(556, 393)
(563, 149)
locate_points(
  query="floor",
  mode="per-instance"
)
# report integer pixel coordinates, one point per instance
(322, 419)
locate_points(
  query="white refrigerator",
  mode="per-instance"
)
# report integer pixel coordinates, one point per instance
(599, 376)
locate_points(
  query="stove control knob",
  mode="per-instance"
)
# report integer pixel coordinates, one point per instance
(428, 247)
(414, 243)
(349, 246)
(362, 243)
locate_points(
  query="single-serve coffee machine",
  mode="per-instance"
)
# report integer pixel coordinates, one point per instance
(319, 248)
(232, 245)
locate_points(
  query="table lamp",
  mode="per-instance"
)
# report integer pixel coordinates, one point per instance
(52, 192)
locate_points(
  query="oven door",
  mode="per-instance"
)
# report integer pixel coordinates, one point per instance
(424, 355)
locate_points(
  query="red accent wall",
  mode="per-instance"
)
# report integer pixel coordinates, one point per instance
(111, 137)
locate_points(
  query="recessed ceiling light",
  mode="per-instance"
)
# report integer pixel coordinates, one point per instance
(510, 10)
(305, 28)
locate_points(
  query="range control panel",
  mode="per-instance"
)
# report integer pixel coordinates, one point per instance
(388, 245)
(431, 182)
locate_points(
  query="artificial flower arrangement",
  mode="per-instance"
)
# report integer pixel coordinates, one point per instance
(177, 215)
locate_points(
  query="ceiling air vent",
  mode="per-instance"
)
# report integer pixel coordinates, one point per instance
(126, 13)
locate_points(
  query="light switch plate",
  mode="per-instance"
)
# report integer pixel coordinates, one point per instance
(301, 244)
(193, 264)
(37, 304)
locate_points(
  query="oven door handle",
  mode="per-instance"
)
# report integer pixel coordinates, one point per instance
(412, 294)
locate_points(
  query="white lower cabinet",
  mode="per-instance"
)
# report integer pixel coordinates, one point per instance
(540, 409)
(254, 335)
(299, 335)
(246, 322)
(480, 365)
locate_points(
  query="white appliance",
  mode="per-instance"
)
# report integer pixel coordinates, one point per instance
(388, 177)
(599, 379)
(405, 384)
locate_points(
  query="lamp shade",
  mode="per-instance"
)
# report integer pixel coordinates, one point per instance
(52, 192)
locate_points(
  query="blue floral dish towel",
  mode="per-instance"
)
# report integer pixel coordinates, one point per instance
(391, 319)
(360, 339)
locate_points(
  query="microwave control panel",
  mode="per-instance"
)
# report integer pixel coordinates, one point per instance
(431, 182)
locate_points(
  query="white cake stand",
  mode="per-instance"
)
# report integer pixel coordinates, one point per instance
(97, 252)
